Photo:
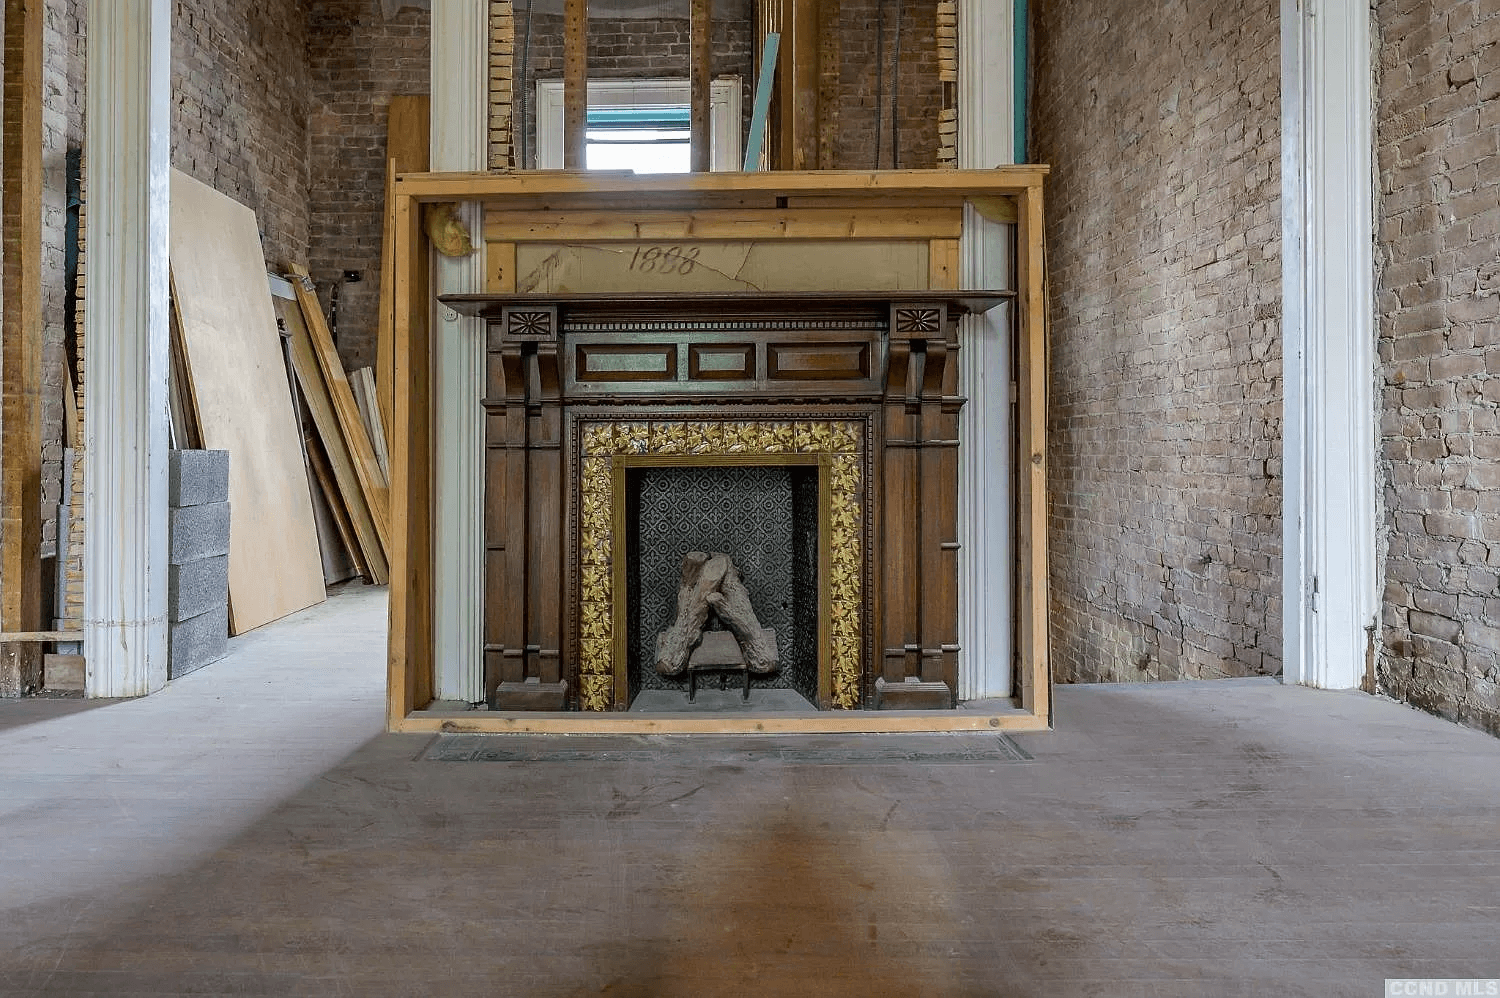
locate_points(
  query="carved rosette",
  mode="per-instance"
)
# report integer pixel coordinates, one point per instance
(841, 441)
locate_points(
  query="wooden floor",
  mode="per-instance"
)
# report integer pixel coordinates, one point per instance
(252, 832)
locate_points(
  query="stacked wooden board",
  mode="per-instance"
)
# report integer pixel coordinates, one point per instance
(340, 452)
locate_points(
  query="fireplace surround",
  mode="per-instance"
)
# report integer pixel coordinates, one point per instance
(860, 387)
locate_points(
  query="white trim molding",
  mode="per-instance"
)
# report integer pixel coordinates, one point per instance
(986, 498)
(125, 333)
(1330, 595)
(724, 105)
(460, 111)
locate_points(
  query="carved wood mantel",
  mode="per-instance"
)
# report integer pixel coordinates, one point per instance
(809, 319)
(579, 386)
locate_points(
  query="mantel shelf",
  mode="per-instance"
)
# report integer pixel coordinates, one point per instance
(488, 306)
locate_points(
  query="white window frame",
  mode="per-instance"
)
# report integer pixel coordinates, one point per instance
(724, 114)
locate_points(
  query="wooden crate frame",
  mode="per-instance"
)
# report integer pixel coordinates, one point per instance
(547, 206)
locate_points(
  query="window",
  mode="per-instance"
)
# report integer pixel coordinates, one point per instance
(640, 125)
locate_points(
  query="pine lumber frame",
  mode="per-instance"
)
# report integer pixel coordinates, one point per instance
(21, 380)
(411, 653)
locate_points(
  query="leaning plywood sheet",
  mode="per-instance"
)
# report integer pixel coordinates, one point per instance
(239, 390)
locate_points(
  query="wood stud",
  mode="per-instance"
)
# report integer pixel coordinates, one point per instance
(575, 84)
(21, 380)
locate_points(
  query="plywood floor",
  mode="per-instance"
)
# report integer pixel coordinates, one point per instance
(251, 832)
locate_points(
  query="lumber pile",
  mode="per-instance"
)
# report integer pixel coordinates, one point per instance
(348, 465)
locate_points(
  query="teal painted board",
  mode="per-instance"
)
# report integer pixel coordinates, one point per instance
(762, 102)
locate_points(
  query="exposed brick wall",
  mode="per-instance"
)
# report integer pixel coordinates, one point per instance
(867, 68)
(1438, 138)
(62, 128)
(239, 110)
(1161, 122)
(358, 60)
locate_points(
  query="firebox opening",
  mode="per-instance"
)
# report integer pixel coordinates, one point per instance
(765, 517)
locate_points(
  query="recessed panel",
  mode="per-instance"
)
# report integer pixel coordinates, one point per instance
(636, 362)
(818, 361)
(721, 362)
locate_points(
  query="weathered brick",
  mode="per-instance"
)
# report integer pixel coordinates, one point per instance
(1164, 258)
(1434, 135)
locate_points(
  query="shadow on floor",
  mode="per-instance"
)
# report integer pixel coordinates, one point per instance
(45, 707)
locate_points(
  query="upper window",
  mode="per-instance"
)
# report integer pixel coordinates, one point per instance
(640, 125)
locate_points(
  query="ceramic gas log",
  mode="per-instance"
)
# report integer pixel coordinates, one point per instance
(711, 585)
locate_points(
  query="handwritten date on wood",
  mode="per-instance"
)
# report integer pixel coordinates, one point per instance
(669, 261)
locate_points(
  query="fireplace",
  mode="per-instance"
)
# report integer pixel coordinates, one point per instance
(624, 430)
(714, 321)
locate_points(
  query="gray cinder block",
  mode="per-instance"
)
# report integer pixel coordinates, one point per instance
(197, 477)
(197, 587)
(194, 643)
(199, 532)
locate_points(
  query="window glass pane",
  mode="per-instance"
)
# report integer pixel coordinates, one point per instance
(644, 150)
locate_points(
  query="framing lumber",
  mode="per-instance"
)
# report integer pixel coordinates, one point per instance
(350, 425)
(797, 223)
(40, 637)
(408, 149)
(341, 464)
(575, 83)
(797, 112)
(699, 73)
(410, 657)
(1032, 590)
(322, 471)
(823, 723)
(21, 355)
(563, 190)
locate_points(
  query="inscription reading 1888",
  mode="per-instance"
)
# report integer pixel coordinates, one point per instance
(678, 261)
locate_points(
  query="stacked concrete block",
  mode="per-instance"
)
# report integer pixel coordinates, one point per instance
(198, 583)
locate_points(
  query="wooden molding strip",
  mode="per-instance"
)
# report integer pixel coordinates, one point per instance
(821, 723)
(1006, 180)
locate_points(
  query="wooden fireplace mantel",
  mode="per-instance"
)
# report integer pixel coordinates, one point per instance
(590, 245)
